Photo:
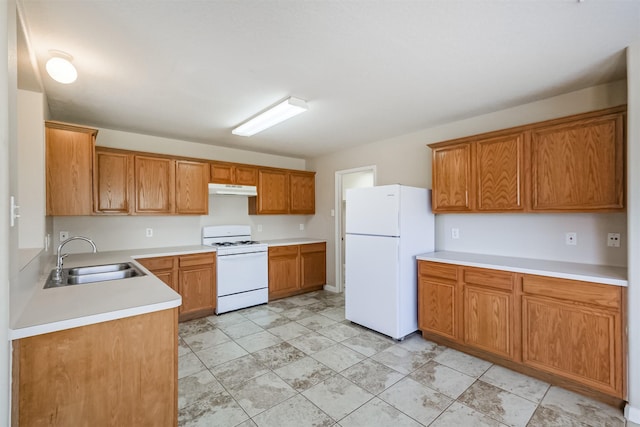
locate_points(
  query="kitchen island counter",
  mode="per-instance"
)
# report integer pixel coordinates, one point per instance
(605, 274)
(56, 309)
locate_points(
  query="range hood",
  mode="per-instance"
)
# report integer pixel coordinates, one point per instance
(233, 190)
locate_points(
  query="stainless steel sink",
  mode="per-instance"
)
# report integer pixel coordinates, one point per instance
(93, 269)
(93, 273)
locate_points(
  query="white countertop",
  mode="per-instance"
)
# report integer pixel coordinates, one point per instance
(292, 241)
(609, 275)
(55, 309)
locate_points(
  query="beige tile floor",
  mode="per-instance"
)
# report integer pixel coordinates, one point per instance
(297, 362)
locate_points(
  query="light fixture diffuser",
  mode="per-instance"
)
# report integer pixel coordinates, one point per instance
(60, 68)
(285, 110)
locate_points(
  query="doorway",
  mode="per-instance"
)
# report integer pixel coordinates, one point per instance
(350, 178)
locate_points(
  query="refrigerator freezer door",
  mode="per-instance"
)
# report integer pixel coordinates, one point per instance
(373, 210)
(371, 292)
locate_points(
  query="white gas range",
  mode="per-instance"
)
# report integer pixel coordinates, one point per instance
(242, 267)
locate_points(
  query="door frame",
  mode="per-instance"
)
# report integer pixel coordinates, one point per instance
(338, 220)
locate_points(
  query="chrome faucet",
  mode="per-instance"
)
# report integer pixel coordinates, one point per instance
(57, 275)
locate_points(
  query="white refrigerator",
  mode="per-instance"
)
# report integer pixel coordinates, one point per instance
(386, 227)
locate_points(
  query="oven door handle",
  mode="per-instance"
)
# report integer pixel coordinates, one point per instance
(244, 255)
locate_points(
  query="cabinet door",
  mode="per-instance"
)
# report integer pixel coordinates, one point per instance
(69, 169)
(246, 175)
(221, 173)
(578, 166)
(313, 261)
(112, 182)
(284, 271)
(499, 173)
(273, 192)
(192, 194)
(196, 286)
(302, 193)
(452, 178)
(438, 307)
(154, 185)
(488, 320)
(574, 341)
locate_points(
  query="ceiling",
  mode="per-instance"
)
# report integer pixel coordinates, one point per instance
(369, 70)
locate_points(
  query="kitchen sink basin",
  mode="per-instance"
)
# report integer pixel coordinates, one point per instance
(92, 274)
(93, 269)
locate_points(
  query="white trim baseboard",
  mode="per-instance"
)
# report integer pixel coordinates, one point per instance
(632, 414)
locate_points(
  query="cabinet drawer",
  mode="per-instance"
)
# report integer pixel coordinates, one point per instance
(283, 250)
(572, 290)
(436, 269)
(313, 247)
(160, 263)
(199, 259)
(490, 278)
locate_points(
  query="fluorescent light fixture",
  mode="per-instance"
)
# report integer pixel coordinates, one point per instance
(60, 68)
(285, 110)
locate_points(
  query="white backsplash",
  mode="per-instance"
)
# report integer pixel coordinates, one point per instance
(540, 236)
(129, 232)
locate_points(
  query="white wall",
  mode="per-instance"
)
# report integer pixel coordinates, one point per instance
(31, 171)
(154, 144)
(8, 237)
(406, 160)
(128, 232)
(632, 411)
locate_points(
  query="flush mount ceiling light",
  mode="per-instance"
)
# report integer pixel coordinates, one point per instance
(285, 110)
(60, 68)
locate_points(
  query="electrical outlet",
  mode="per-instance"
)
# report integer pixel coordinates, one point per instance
(455, 233)
(149, 232)
(613, 240)
(301, 227)
(259, 227)
(64, 235)
(571, 238)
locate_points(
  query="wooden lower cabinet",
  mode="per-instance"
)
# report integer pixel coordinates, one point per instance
(488, 310)
(563, 331)
(196, 285)
(295, 269)
(192, 276)
(116, 373)
(437, 299)
(574, 333)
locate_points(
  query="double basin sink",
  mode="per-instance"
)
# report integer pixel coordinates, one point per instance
(93, 273)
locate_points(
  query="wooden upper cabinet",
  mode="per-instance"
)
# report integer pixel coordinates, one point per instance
(155, 185)
(112, 182)
(499, 164)
(451, 168)
(230, 173)
(222, 173)
(69, 169)
(571, 164)
(579, 166)
(302, 193)
(246, 175)
(192, 194)
(273, 193)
